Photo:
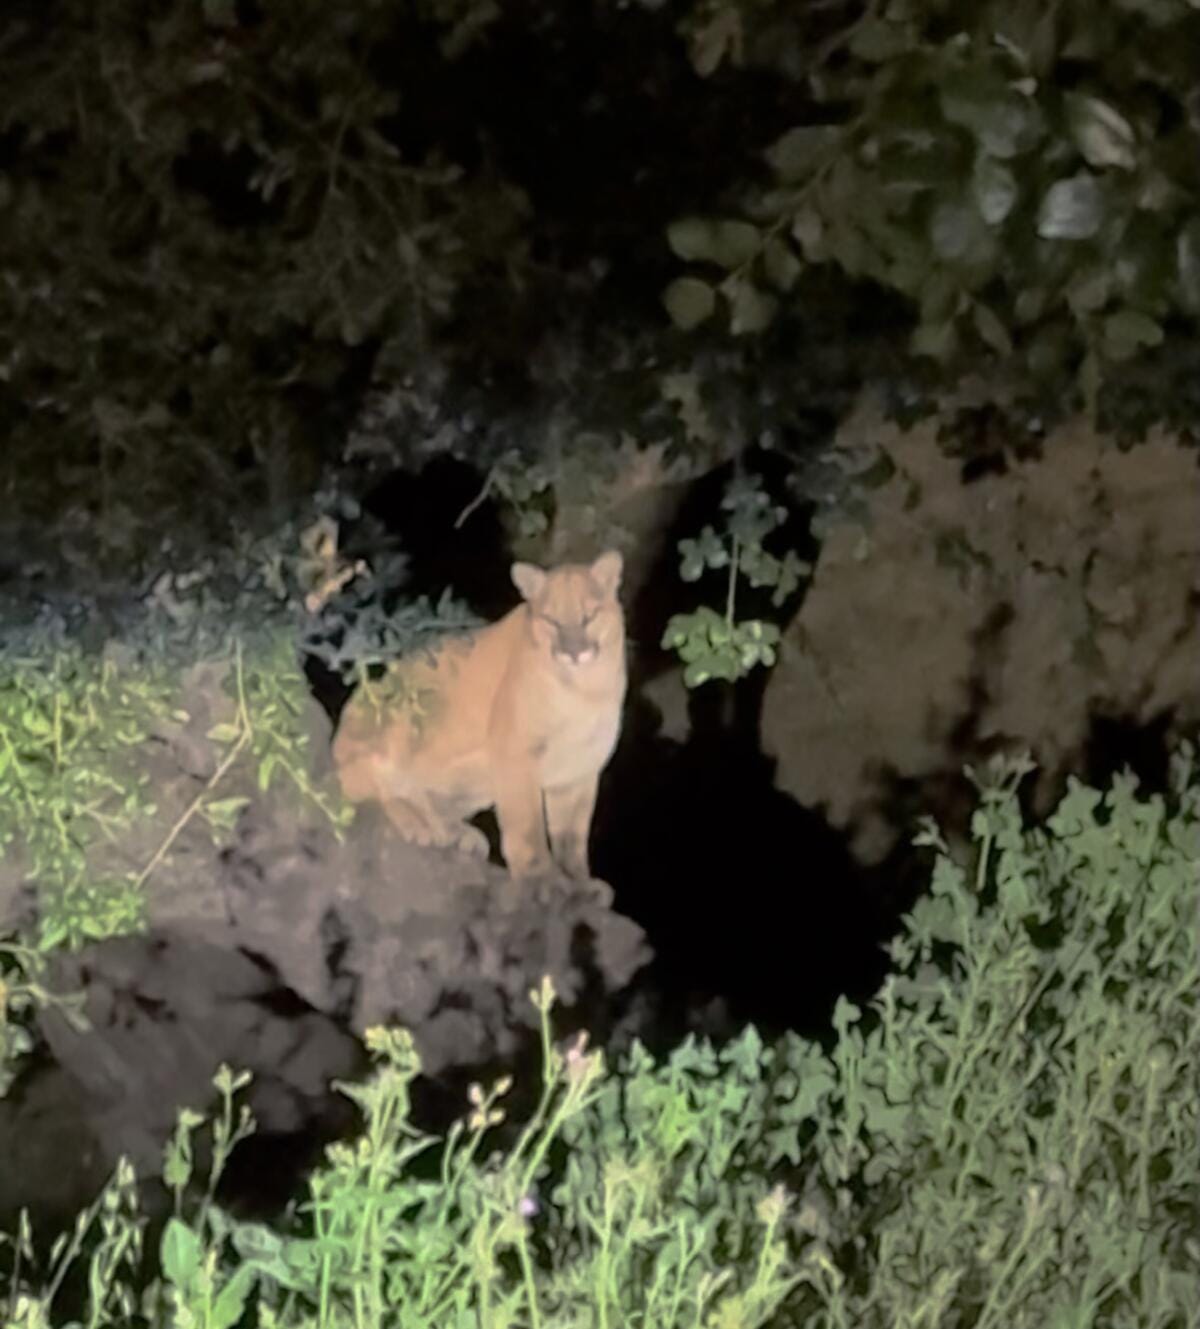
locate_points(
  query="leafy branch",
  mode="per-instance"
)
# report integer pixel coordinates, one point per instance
(716, 644)
(1056, 233)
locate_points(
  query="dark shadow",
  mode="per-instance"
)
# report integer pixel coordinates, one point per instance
(1116, 743)
(423, 512)
(753, 906)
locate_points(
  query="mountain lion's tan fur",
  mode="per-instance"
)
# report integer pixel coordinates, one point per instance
(521, 716)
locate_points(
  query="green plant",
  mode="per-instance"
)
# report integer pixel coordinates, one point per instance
(22, 992)
(1005, 1137)
(716, 644)
(81, 725)
(376, 1245)
(523, 484)
(70, 723)
(108, 1236)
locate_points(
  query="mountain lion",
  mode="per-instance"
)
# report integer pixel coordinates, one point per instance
(521, 715)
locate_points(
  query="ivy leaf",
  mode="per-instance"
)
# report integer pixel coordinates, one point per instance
(1102, 134)
(994, 187)
(1127, 331)
(689, 301)
(1071, 209)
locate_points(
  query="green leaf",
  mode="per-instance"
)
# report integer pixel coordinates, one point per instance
(1071, 209)
(718, 38)
(877, 40)
(180, 1253)
(735, 243)
(845, 1013)
(750, 310)
(1002, 120)
(53, 933)
(990, 329)
(1187, 253)
(223, 812)
(781, 265)
(689, 302)
(808, 231)
(36, 723)
(1090, 382)
(224, 733)
(795, 155)
(731, 244)
(994, 187)
(939, 341)
(231, 1300)
(956, 232)
(220, 13)
(1048, 352)
(1102, 134)
(1089, 292)
(1030, 305)
(691, 238)
(1127, 331)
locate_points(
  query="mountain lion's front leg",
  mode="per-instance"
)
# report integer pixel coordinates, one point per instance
(523, 824)
(569, 820)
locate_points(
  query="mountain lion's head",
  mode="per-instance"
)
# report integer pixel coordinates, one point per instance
(574, 613)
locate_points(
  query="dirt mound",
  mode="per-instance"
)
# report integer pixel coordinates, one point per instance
(269, 947)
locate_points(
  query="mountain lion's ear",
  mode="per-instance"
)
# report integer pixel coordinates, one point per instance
(530, 581)
(606, 571)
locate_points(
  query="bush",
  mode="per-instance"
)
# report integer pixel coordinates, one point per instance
(1006, 1137)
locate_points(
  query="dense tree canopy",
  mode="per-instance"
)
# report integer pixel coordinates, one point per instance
(221, 220)
(1027, 173)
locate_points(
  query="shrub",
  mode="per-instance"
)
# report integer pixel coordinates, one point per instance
(1005, 1137)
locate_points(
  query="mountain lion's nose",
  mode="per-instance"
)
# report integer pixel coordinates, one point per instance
(576, 646)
